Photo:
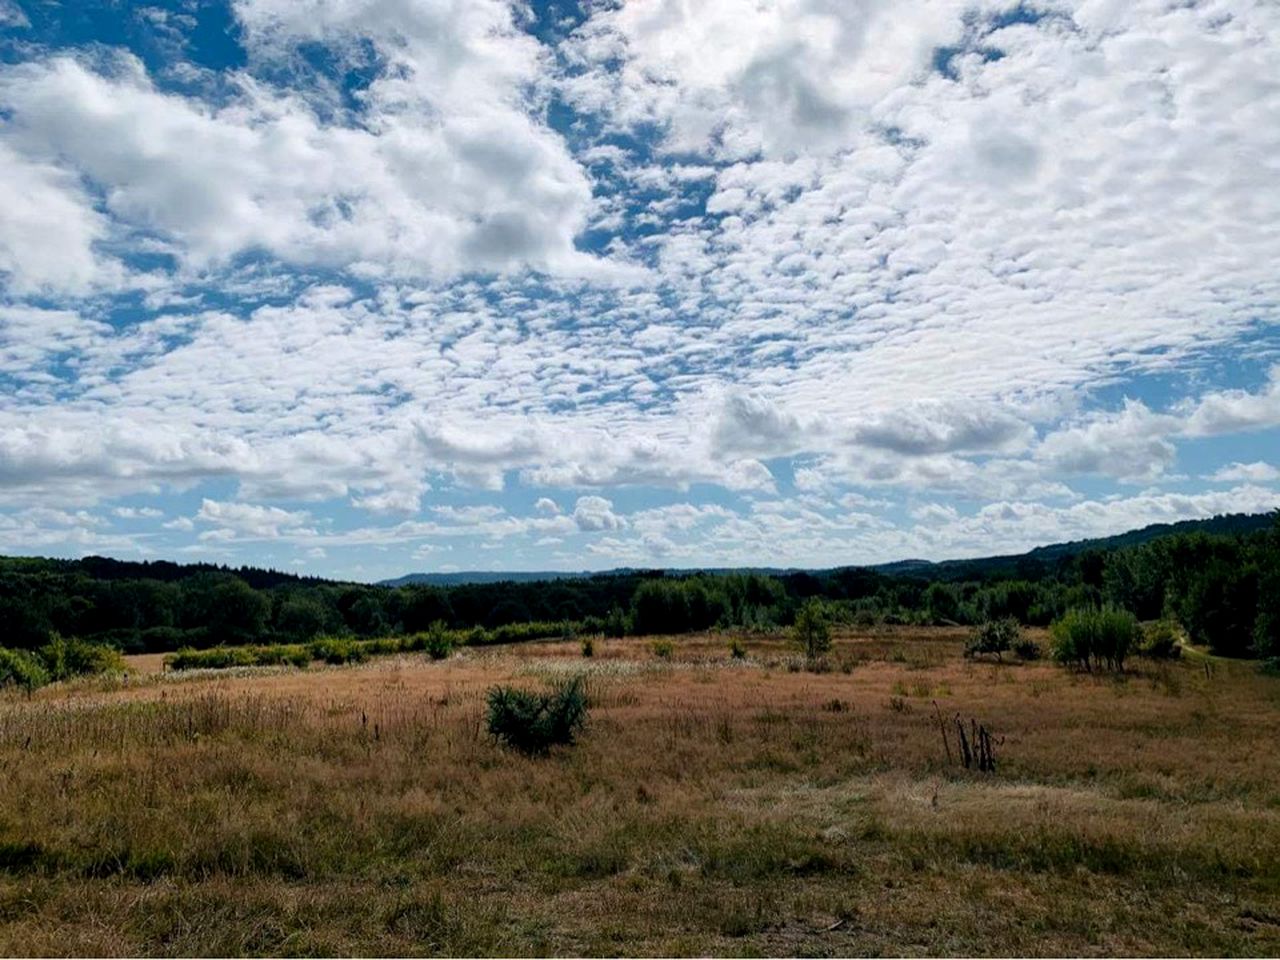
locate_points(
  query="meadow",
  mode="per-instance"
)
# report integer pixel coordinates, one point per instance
(713, 805)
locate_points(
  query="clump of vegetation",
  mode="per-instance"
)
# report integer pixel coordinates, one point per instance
(588, 647)
(20, 668)
(663, 649)
(535, 722)
(66, 657)
(438, 642)
(338, 650)
(283, 655)
(1160, 641)
(615, 622)
(994, 637)
(215, 658)
(737, 650)
(812, 629)
(1095, 637)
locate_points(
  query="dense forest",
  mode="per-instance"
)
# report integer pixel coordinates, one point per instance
(1219, 579)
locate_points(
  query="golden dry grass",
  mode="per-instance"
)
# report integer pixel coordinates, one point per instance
(713, 807)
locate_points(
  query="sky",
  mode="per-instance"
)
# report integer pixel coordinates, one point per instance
(361, 287)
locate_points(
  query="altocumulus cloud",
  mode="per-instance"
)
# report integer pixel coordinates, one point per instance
(799, 282)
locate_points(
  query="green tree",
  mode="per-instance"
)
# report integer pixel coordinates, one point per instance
(812, 629)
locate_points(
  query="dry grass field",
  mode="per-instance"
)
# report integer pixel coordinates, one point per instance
(713, 806)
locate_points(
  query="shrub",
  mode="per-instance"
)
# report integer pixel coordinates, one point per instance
(1160, 641)
(812, 629)
(66, 657)
(438, 642)
(588, 647)
(663, 649)
(21, 668)
(215, 658)
(736, 649)
(1094, 637)
(337, 650)
(994, 636)
(534, 722)
(283, 654)
(615, 623)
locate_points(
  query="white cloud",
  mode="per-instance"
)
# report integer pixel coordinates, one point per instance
(1231, 411)
(234, 520)
(1257, 472)
(1128, 445)
(593, 513)
(50, 232)
(138, 513)
(449, 170)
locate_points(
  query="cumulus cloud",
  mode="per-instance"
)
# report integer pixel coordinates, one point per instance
(592, 513)
(1128, 445)
(447, 170)
(51, 233)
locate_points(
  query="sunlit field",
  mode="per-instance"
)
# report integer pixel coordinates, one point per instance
(713, 805)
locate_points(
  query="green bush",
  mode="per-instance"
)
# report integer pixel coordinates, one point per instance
(994, 636)
(20, 668)
(812, 629)
(439, 641)
(1160, 641)
(588, 647)
(215, 658)
(66, 657)
(1092, 637)
(615, 622)
(282, 654)
(535, 722)
(736, 649)
(338, 650)
(663, 649)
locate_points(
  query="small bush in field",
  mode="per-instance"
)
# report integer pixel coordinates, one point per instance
(20, 668)
(438, 642)
(535, 722)
(663, 649)
(1159, 641)
(588, 647)
(736, 649)
(812, 630)
(994, 636)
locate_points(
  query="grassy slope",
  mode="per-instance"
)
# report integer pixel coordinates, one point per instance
(712, 807)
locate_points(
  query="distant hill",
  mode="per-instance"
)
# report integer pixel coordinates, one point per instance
(976, 568)
(539, 576)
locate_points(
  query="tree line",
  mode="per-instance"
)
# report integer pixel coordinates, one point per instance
(1222, 588)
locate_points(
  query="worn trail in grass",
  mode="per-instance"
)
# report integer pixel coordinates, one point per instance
(713, 806)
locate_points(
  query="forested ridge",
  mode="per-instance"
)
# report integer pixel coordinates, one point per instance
(1219, 579)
